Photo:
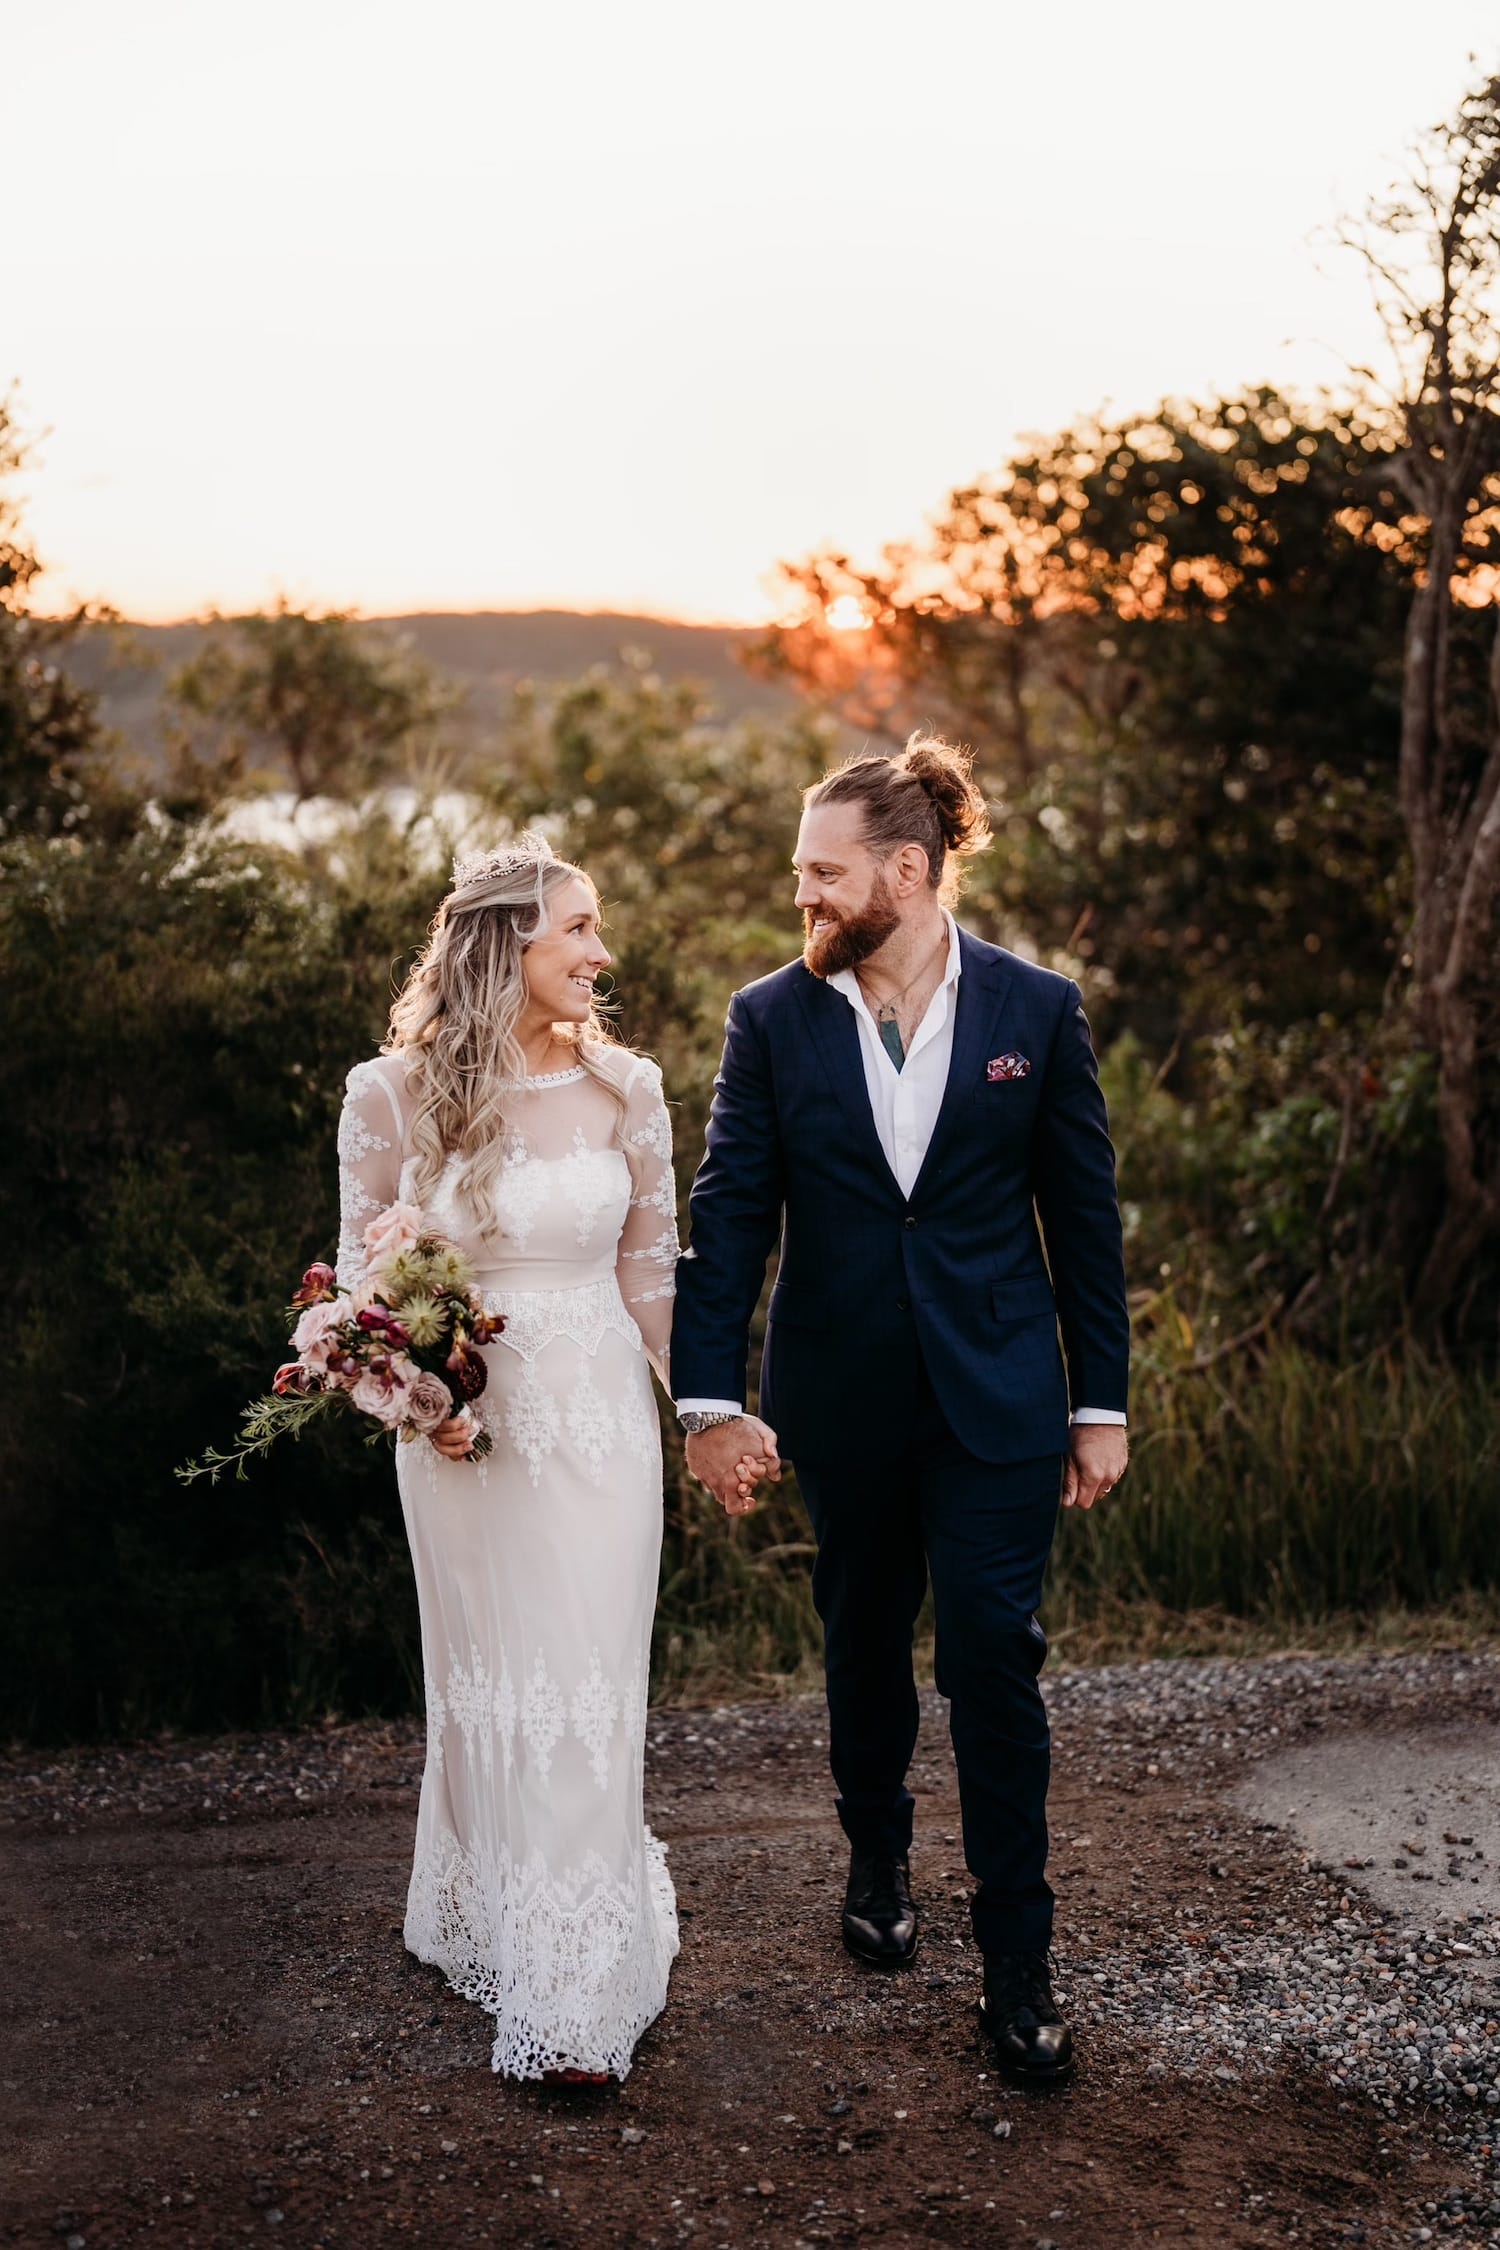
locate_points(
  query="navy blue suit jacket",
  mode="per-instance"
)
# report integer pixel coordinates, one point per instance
(872, 1283)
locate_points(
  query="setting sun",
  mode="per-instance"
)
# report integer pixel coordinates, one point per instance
(847, 615)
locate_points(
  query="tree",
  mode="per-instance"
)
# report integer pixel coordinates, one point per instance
(338, 705)
(687, 824)
(1432, 244)
(1175, 641)
(52, 777)
(177, 1012)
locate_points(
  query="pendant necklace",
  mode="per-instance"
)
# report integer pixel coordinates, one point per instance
(885, 1010)
(887, 1022)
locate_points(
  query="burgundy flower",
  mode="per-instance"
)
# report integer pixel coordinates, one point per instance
(294, 1380)
(468, 1370)
(318, 1282)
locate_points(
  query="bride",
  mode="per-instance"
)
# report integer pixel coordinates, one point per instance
(501, 1109)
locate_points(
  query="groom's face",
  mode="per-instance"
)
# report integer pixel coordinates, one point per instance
(847, 908)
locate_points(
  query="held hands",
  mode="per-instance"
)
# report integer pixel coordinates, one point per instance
(731, 1458)
(1095, 1462)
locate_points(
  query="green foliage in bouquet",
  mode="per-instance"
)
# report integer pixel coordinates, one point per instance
(264, 1422)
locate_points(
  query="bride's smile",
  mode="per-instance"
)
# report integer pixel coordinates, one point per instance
(562, 962)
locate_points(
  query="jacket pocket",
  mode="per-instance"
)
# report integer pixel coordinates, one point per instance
(1027, 1297)
(788, 1309)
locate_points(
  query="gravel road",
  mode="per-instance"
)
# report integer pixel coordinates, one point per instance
(1279, 1935)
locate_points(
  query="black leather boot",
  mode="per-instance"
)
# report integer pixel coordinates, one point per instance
(880, 1919)
(1018, 2011)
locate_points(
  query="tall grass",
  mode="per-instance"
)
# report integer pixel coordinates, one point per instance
(734, 1613)
(1268, 1500)
(1290, 1490)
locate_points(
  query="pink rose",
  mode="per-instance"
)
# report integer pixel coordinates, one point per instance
(391, 1231)
(315, 1332)
(383, 1400)
(428, 1402)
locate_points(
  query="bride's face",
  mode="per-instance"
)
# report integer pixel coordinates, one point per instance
(566, 955)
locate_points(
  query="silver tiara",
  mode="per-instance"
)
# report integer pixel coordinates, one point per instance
(529, 853)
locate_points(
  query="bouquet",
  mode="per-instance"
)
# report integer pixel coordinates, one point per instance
(402, 1349)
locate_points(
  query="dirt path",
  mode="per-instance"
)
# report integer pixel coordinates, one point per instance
(212, 2034)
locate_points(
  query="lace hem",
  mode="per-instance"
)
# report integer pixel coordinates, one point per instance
(535, 1318)
(572, 1966)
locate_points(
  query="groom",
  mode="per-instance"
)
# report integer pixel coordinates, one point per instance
(903, 1105)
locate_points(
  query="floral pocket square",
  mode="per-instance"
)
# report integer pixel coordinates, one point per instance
(1007, 1066)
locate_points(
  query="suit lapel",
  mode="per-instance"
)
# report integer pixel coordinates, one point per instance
(983, 996)
(831, 1021)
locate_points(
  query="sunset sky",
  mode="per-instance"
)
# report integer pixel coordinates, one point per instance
(473, 306)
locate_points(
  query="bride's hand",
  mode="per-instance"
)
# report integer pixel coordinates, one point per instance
(748, 1473)
(454, 1437)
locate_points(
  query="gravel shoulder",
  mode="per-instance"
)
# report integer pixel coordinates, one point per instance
(210, 2031)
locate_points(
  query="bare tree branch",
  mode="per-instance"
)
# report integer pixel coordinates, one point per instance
(1431, 245)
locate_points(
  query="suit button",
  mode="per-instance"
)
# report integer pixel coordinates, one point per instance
(908, 1222)
(902, 1305)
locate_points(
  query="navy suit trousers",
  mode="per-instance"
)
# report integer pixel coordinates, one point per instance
(983, 1530)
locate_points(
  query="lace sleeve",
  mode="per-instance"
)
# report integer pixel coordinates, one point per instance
(648, 1241)
(369, 1163)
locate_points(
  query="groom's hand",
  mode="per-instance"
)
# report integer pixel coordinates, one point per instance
(731, 1458)
(1094, 1464)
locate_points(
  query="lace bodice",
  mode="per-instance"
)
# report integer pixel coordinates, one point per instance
(585, 1197)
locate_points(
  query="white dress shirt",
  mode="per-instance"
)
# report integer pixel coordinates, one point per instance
(905, 1105)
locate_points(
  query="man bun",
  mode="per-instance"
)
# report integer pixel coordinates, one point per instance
(925, 795)
(945, 771)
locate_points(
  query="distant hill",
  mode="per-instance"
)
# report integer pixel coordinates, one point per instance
(487, 654)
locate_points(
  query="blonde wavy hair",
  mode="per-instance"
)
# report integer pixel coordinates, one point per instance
(453, 1023)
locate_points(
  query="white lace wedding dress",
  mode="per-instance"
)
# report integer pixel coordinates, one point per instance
(537, 1888)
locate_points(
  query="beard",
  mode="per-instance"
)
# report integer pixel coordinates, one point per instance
(851, 938)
